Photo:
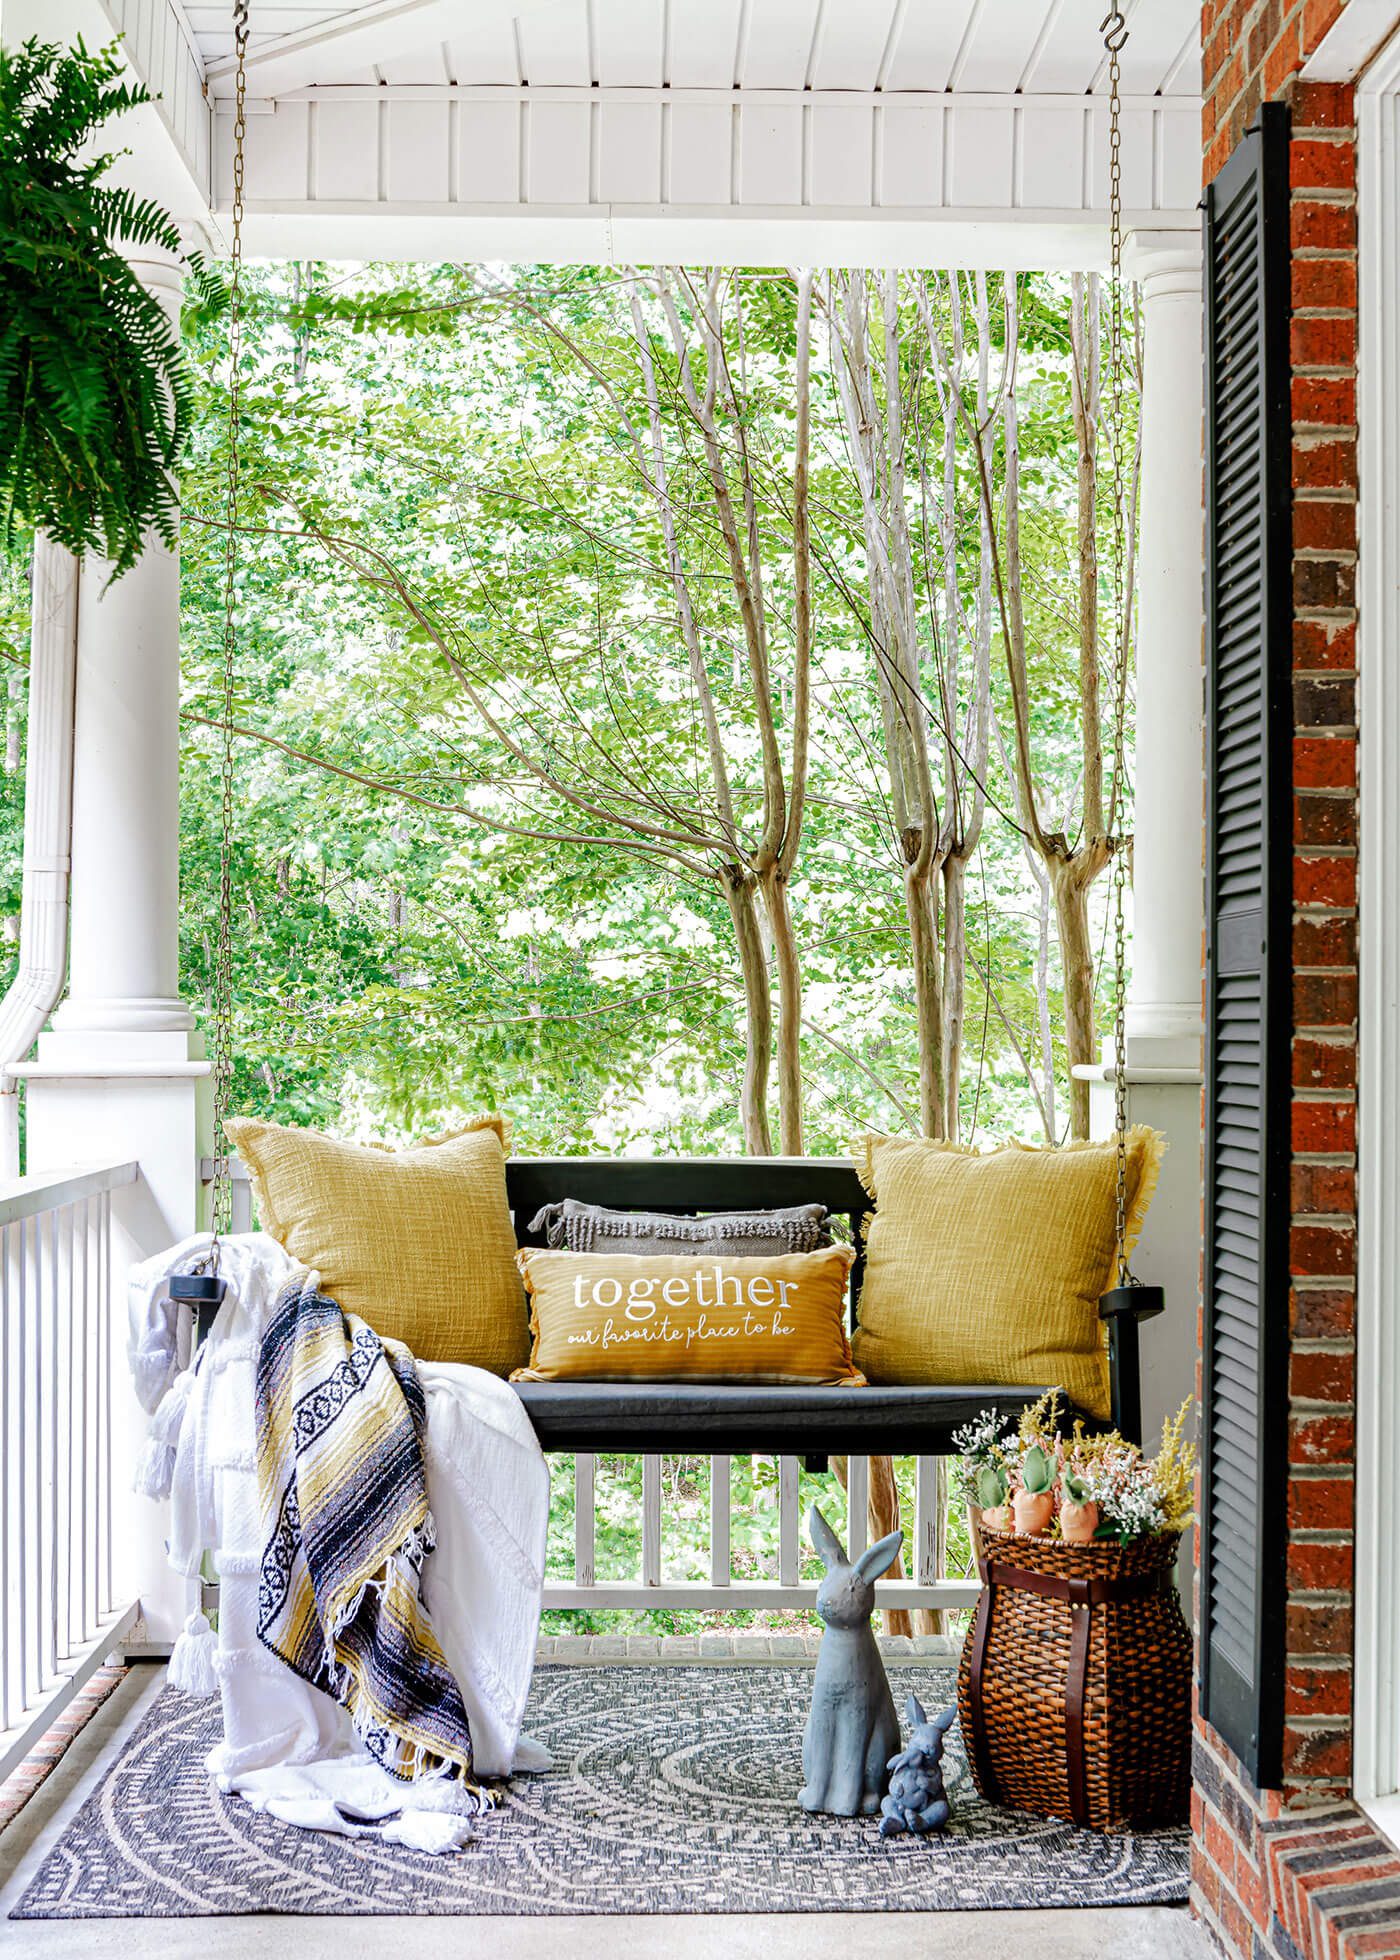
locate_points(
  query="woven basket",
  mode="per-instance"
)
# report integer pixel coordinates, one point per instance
(1074, 1691)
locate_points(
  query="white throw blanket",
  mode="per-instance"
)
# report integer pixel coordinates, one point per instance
(287, 1747)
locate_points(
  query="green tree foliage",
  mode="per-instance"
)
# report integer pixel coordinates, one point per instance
(95, 400)
(424, 927)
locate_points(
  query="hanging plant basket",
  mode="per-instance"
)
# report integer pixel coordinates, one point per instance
(1074, 1691)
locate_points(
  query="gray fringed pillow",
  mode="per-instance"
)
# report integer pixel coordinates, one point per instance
(570, 1226)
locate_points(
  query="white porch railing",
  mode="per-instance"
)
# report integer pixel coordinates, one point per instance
(928, 1586)
(790, 1588)
(62, 1366)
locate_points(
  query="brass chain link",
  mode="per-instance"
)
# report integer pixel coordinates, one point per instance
(1115, 33)
(222, 1195)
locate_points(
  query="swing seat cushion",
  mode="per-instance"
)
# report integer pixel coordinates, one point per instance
(418, 1242)
(680, 1317)
(989, 1266)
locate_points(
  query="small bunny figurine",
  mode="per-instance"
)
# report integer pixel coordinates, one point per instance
(917, 1800)
(852, 1730)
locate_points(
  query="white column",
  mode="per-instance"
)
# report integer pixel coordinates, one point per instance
(120, 1075)
(1164, 1027)
(124, 936)
(1164, 1005)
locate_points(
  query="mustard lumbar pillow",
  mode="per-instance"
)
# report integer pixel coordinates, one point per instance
(988, 1266)
(418, 1242)
(598, 1316)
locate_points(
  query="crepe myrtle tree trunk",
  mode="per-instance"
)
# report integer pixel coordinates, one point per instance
(1070, 866)
(741, 897)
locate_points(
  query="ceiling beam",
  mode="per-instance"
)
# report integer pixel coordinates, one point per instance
(822, 177)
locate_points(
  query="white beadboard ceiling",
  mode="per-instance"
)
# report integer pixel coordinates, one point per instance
(958, 132)
(1002, 47)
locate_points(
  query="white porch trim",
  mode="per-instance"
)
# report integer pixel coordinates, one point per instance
(1376, 1703)
(742, 176)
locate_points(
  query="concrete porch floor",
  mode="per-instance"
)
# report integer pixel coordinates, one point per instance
(1125, 1933)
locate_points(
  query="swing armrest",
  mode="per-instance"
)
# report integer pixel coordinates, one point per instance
(1125, 1303)
(1124, 1307)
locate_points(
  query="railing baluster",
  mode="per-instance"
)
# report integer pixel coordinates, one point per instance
(26, 1465)
(11, 1693)
(721, 1566)
(585, 1563)
(82, 1378)
(60, 1308)
(928, 1536)
(651, 1520)
(857, 1503)
(789, 1546)
(104, 1377)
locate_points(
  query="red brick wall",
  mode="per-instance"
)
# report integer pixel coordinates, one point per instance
(1251, 1847)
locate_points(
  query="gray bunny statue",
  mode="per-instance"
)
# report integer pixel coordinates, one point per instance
(852, 1730)
(917, 1800)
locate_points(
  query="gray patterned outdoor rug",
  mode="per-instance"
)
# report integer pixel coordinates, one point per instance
(672, 1791)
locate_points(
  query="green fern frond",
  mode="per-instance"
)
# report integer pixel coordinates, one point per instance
(96, 402)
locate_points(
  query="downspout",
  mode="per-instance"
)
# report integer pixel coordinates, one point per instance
(48, 829)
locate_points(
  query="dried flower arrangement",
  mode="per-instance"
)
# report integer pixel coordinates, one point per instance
(1033, 1480)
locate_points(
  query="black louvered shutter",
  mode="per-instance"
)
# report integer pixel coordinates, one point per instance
(1248, 965)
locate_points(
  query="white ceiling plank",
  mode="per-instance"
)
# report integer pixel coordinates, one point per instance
(486, 54)
(1070, 58)
(850, 46)
(354, 39)
(1156, 31)
(927, 45)
(1068, 52)
(994, 54)
(778, 44)
(554, 46)
(630, 40)
(703, 43)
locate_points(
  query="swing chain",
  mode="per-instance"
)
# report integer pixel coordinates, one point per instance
(222, 1195)
(1115, 34)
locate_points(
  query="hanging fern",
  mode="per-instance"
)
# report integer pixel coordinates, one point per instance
(95, 401)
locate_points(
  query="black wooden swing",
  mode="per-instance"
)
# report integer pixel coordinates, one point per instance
(700, 1419)
(682, 1417)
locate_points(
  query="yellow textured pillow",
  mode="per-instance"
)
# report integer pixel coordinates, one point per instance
(600, 1316)
(418, 1242)
(988, 1266)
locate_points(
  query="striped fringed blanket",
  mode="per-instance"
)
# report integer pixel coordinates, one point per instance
(344, 1495)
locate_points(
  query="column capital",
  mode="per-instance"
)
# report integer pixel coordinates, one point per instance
(162, 273)
(1166, 264)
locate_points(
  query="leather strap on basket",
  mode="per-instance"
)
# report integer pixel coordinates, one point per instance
(977, 1741)
(1081, 1596)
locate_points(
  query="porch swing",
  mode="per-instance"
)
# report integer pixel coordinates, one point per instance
(814, 1422)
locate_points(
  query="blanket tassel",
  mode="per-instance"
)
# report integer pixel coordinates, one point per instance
(192, 1658)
